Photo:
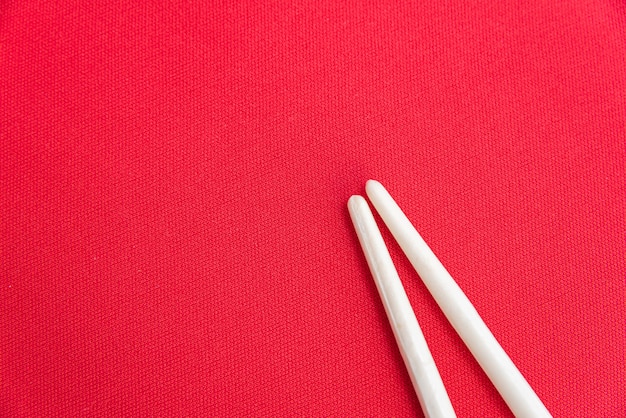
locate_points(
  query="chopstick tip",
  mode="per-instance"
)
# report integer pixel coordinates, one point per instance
(373, 186)
(355, 201)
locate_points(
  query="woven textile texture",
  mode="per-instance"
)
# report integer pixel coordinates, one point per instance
(173, 184)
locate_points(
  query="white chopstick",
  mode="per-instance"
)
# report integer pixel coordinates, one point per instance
(507, 379)
(419, 362)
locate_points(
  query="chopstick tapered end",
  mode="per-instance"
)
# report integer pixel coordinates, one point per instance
(373, 187)
(355, 203)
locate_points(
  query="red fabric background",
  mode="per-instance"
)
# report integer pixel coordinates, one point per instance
(174, 178)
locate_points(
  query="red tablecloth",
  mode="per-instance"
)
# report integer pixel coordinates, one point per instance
(174, 178)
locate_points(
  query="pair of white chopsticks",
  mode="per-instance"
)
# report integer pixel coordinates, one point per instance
(431, 392)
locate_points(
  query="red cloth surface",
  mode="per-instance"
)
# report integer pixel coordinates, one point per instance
(174, 176)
